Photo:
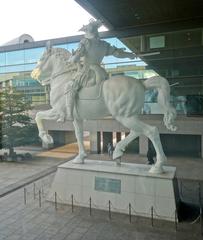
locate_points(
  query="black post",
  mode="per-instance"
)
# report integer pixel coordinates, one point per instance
(200, 209)
(40, 200)
(90, 206)
(152, 216)
(130, 216)
(109, 209)
(55, 200)
(72, 202)
(200, 220)
(176, 220)
(25, 193)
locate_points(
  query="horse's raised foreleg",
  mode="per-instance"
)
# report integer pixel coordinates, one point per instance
(121, 145)
(78, 124)
(40, 116)
(152, 133)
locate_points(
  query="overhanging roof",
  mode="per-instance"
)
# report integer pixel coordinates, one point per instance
(180, 22)
(147, 16)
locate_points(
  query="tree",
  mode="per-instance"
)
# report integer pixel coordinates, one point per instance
(17, 128)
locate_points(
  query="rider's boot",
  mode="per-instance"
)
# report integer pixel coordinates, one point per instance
(69, 105)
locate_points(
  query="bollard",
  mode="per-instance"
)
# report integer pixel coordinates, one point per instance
(25, 193)
(200, 208)
(176, 220)
(130, 215)
(200, 220)
(34, 191)
(55, 200)
(90, 206)
(40, 200)
(72, 202)
(109, 209)
(152, 216)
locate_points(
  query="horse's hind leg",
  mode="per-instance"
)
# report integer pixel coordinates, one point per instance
(152, 133)
(121, 145)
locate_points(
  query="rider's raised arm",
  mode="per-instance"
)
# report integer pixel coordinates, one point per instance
(120, 52)
(80, 51)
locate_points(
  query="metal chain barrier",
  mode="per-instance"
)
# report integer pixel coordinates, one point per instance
(37, 192)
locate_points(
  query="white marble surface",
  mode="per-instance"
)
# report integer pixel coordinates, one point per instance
(125, 168)
(137, 186)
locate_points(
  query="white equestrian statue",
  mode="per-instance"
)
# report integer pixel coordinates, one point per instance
(121, 97)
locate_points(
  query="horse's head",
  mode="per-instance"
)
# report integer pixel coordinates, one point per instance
(44, 68)
(52, 61)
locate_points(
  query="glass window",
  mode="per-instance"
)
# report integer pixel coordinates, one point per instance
(2, 59)
(33, 55)
(62, 46)
(72, 46)
(15, 57)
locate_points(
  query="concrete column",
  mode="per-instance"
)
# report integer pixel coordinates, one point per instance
(118, 136)
(143, 145)
(95, 142)
(107, 138)
(70, 137)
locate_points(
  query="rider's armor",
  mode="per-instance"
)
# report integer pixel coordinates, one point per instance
(91, 51)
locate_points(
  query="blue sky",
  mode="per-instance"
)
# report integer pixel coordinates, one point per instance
(42, 19)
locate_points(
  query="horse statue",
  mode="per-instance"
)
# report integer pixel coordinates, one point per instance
(122, 97)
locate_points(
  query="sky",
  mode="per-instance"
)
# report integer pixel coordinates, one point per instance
(42, 19)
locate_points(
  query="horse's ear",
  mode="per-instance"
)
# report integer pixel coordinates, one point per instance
(48, 45)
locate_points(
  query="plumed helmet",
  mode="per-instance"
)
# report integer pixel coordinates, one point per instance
(91, 29)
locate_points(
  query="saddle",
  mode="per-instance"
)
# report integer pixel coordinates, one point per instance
(91, 93)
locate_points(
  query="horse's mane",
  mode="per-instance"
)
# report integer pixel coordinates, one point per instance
(62, 53)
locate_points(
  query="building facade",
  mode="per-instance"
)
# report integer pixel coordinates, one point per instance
(17, 62)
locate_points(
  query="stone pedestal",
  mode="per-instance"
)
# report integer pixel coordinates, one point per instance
(129, 183)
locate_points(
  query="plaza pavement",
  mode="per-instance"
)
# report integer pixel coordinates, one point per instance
(40, 220)
(29, 221)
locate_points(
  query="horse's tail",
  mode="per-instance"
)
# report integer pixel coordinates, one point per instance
(162, 85)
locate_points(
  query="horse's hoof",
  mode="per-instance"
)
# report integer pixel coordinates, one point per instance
(78, 161)
(156, 169)
(118, 162)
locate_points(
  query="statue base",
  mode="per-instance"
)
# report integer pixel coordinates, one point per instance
(128, 184)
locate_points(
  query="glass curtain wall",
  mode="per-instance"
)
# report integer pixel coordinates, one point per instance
(16, 66)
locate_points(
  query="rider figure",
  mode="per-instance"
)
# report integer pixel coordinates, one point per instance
(90, 52)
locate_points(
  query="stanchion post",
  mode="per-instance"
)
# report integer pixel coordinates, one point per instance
(72, 202)
(34, 191)
(55, 200)
(152, 216)
(176, 220)
(109, 209)
(200, 220)
(40, 200)
(90, 206)
(130, 215)
(25, 196)
(200, 208)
